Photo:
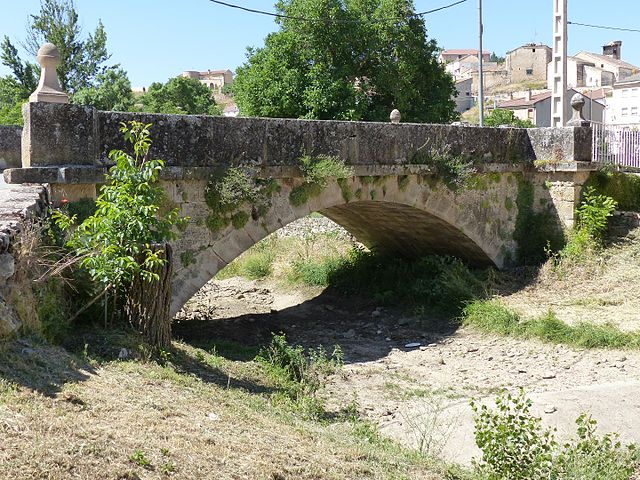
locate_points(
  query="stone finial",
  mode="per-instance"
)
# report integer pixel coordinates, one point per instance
(49, 89)
(395, 116)
(577, 120)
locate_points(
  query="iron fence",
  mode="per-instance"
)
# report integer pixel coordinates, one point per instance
(616, 144)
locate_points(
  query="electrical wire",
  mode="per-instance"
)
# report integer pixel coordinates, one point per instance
(604, 27)
(328, 20)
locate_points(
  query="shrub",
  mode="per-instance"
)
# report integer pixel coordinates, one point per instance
(594, 211)
(316, 171)
(298, 373)
(514, 445)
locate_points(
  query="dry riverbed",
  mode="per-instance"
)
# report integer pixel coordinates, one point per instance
(420, 394)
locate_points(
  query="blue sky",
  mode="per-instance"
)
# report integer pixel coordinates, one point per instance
(157, 39)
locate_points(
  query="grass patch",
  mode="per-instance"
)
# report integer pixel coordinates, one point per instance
(493, 317)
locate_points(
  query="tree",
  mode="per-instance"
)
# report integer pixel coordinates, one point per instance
(501, 116)
(496, 58)
(180, 95)
(10, 101)
(353, 59)
(82, 69)
(112, 93)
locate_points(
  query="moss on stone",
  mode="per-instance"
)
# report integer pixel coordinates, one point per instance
(302, 193)
(358, 194)
(187, 258)
(403, 182)
(373, 194)
(347, 194)
(216, 222)
(535, 232)
(239, 219)
(508, 203)
(367, 180)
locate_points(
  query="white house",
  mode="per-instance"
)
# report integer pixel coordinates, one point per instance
(537, 108)
(464, 98)
(215, 80)
(624, 104)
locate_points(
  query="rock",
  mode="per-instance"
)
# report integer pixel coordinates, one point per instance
(412, 345)
(349, 333)
(548, 375)
(213, 417)
(441, 361)
(404, 321)
(622, 359)
(471, 349)
(123, 354)
(7, 267)
(388, 339)
(550, 409)
(432, 345)
(9, 322)
(379, 332)
(375, 313)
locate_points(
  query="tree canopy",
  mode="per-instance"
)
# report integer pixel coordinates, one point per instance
(351, 59)
(500, 116)
(186, 96)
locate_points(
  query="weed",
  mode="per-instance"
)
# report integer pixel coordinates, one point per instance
(491, 316)
(139, 458)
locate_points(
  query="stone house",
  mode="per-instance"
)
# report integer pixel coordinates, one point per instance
(528, 63)
(464, 98)
(215, 80)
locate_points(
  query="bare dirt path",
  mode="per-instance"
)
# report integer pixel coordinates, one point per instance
(420, 395)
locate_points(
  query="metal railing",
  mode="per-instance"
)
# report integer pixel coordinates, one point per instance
(616, 144)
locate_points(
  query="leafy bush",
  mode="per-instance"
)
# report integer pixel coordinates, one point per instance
(594, 211)
(300, 374)
(317, 170)
(514, 445)
(624, 188)
(499, 117)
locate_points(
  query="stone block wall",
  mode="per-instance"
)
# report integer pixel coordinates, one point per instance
(10, 146)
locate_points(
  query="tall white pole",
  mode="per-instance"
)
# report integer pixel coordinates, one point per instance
(559, 114)
(480, 69)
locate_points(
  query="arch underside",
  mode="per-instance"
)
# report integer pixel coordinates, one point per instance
(398, 229)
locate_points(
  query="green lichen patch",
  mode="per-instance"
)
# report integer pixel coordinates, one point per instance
(454, 170)
(233, 189)
(347, 194)
(367, 180)
(239, 219)
(317, 171)
(358, 194)
(373, 194)
(536, 233)
(508, 203)
(403, 182)
(187, 258)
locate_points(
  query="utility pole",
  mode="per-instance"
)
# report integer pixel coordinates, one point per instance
(480, 69)
(559, 65)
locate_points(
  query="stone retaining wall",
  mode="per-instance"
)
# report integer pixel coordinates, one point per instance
(10, 146)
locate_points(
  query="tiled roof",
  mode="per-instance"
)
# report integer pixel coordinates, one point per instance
(464, 51)
(604, 58)
(523, 102)
(631, 79)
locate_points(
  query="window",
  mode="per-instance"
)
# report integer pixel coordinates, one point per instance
(625, 92)
(529, 71)
(634, 111)
(625, 111)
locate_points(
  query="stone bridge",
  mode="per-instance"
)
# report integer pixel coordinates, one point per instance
(481, 194)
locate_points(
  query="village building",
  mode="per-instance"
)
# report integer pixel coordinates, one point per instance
(215, 80)
(624, 105)
(528, 63)
(447, 56)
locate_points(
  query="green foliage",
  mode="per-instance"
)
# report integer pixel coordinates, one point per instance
(139, 458)
(492, 316)
(12, 96)
(113, 92)
(434, 282)
(594, 211)
(57, 22)
(52, 311)
(454, 170)
(297, 372)
(499, 117)
(496, 58)
(595, 457)
(115, 243)
(514, 445)
(536, 233)
(259, 264)
(349, 69)
(623, 188)
(232, 190)
(317, 170)
(315, 272)
(180, 95)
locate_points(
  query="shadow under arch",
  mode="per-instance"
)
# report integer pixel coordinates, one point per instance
(419, 219)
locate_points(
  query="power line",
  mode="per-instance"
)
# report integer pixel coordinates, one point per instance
(604, 27)
(329, 20)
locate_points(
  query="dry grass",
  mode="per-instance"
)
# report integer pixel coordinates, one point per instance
(603, 289)
(200, 416)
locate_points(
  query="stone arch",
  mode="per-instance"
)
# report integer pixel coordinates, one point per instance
(413, 215)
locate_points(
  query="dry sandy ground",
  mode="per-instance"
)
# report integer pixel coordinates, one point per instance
(421, 395)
